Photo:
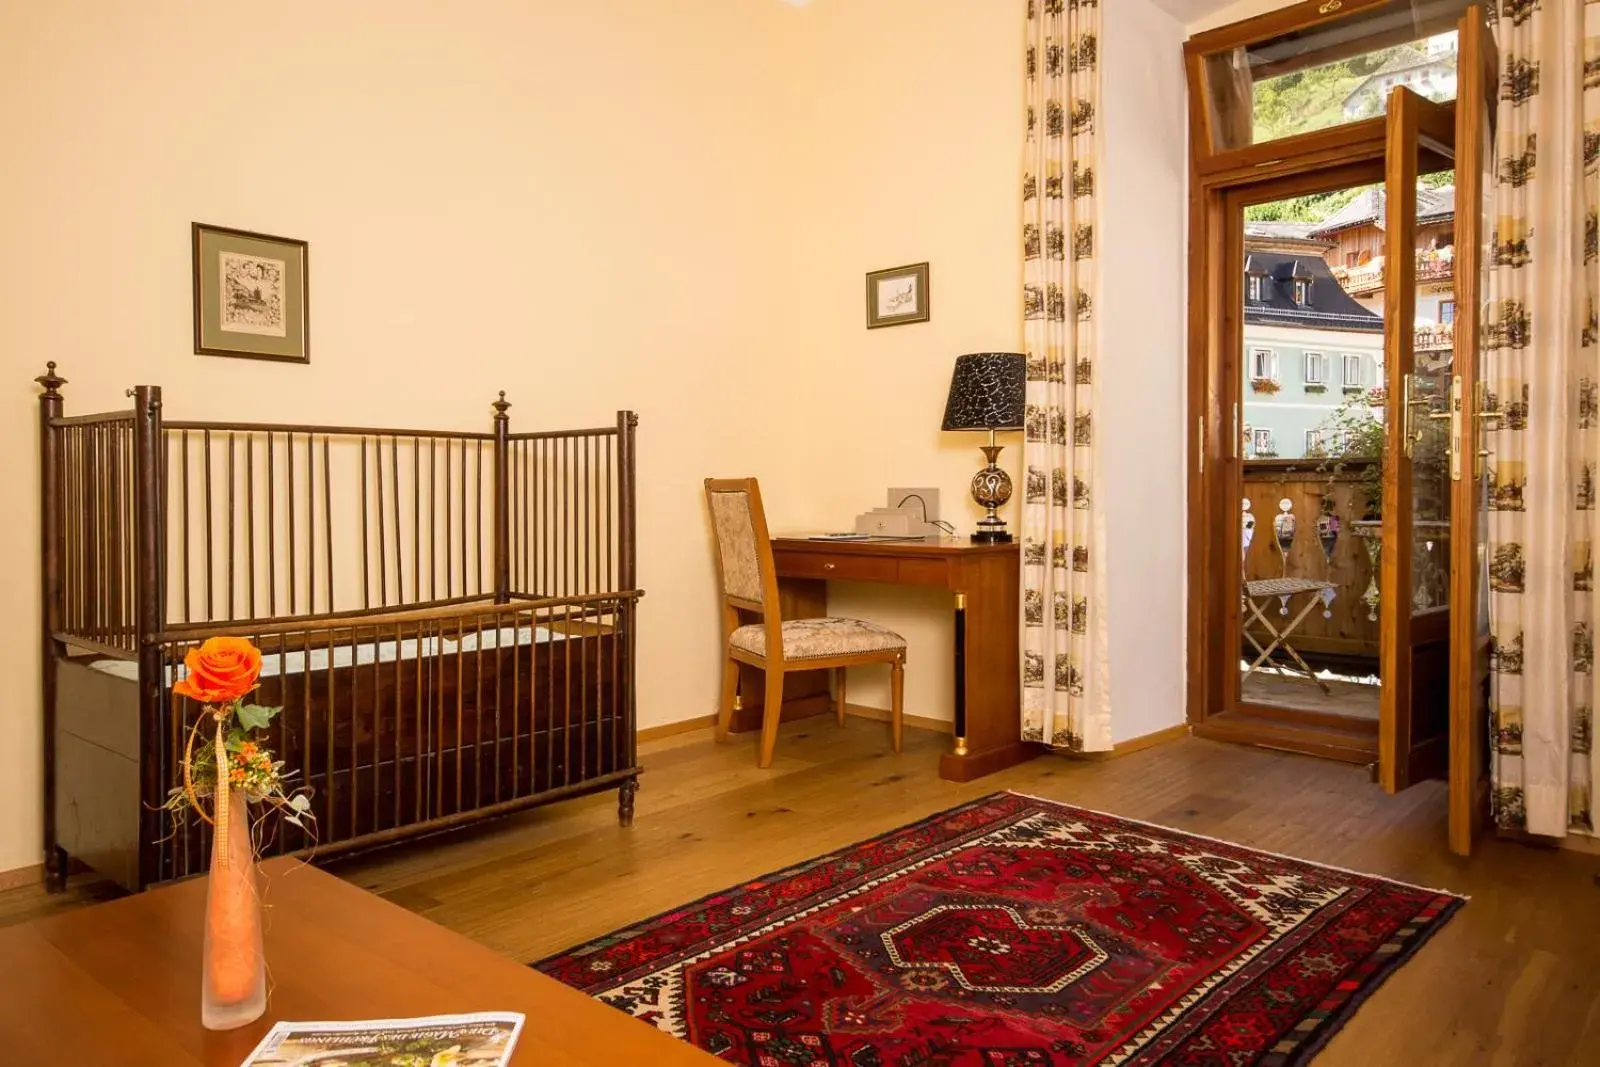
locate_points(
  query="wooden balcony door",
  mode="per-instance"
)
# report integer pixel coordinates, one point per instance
(1434, 619)
(1432, 644)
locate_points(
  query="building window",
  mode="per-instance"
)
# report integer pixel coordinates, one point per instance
(1324, 442)
(1352, 259)
(1302, 291)
(1316, 368)
(1447, 312)
(1261, 443)
(1263, 365)
(1253, 287)
(1354, 373)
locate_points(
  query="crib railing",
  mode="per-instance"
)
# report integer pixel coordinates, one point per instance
(98, 568)
(286, 521)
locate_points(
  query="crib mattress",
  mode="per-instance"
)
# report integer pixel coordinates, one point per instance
(274, 664)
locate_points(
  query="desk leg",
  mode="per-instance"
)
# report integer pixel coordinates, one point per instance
(961, 675)
(988, 711)
(805, 693)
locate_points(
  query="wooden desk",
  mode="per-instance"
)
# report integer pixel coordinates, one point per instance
(118, 984)
(985, 581)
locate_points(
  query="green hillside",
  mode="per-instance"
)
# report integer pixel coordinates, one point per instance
(1313, 99)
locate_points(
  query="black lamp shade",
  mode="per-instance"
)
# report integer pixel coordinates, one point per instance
(988, 391)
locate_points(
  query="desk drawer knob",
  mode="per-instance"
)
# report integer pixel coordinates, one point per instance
(829, 566)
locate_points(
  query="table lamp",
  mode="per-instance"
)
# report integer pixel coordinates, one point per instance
(988, 392)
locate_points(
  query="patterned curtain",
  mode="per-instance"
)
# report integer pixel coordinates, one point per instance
(1542, 365)
(1064, 695)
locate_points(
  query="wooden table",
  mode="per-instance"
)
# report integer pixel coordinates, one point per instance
(118, 984)
(984, 580)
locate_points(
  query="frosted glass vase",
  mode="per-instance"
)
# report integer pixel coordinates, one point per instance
(233, 980)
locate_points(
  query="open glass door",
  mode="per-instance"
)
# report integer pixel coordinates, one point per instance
(1414, 569)
(1469, 637)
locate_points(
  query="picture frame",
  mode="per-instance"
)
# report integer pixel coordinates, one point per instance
(251, 295)
(897, 296)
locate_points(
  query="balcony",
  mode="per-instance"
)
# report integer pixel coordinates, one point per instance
(1329, 502)
(1433, 265)
(1434, 337)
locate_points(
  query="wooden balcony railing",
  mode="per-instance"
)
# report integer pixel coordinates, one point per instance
(1433, 265)
(1346, 633)
(1436, 337)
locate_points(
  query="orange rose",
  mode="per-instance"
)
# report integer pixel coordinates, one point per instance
(221, 670)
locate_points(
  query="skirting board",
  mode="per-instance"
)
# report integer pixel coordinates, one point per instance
(673, 729)
(1136, 744)
(860, 711)
(921, 722)
(916, 722)
(33, 874)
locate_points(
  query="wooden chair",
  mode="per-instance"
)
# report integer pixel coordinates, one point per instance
(749, 583)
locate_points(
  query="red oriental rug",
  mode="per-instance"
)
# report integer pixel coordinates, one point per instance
(1014, 931)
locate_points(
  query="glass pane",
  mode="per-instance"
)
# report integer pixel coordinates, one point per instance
(1332, 73)
(1312, 420)
(1433, 366)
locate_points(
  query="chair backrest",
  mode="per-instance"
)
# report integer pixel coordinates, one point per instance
(745, 569)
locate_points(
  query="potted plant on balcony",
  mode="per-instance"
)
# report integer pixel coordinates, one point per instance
(1264, 386)
(1358, 437)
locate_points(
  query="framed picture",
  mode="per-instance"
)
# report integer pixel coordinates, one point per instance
(250, 295)
(897, 296)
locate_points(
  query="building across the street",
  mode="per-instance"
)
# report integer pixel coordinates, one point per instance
(1309, 347)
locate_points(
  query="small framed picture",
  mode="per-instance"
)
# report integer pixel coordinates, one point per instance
(250, 295)
(897, 296)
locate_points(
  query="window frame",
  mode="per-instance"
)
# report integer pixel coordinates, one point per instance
(1345, 359)
(1321, 357)
(1271, 365)
(1257, 435)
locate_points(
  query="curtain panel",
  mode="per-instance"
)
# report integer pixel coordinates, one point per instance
(1064, 694)
(1542, 370)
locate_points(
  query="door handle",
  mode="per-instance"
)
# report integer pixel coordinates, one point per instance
(1409, 434)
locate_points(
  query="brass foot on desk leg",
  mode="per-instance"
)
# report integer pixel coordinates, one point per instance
(961, 746)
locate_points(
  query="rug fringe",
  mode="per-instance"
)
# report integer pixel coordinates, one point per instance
(1236, 844)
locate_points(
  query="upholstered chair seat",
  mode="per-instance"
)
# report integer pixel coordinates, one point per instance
(749, 587)
(819, 638)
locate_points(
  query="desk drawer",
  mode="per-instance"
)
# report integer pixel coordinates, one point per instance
(841, 567)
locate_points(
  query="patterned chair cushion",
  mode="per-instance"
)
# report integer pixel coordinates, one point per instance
(819, 638)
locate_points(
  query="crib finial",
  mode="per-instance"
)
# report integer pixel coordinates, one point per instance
(53, 382)
(501, 406)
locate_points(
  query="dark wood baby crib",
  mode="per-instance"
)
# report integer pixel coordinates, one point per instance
(448, 619)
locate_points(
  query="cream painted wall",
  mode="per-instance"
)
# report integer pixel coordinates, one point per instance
(592, 206)
(906, 147)
(911, 151)
(1143, 422)
(568, 201)
(1237, 11)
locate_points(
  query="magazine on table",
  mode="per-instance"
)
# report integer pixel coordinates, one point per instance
(483, 1039)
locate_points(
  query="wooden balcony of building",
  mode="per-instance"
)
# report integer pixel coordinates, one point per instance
(1433, 265)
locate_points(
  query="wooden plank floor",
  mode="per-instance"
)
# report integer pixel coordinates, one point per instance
(1514, 979)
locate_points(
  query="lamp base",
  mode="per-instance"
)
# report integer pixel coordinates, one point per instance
(991, 488)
